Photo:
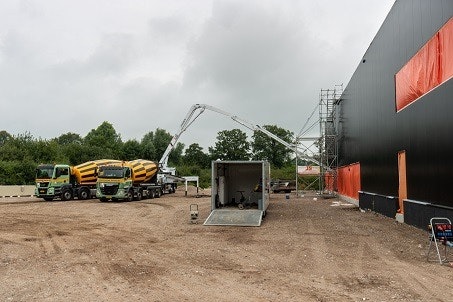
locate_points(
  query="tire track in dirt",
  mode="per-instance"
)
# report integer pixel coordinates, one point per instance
(420, 288)
(369, 261)
(49, 244)
(164, 205)
(361, 280)
(7, 203)
(341, 273)
(45, 241)
(319, 253)
(360, 244)
(304, 251)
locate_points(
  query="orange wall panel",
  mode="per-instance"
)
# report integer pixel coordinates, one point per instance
(446, 50)
(348, 180)
(431, 66)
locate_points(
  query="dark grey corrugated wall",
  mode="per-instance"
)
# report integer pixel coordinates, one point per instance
(371, 131)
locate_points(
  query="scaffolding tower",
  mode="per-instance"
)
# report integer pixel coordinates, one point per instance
(328, 141)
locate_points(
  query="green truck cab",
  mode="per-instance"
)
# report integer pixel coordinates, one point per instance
(68, 182)
(133, 180)
(56, 181)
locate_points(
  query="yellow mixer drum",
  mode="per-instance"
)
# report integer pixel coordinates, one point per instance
(85, 173)
(142, 170)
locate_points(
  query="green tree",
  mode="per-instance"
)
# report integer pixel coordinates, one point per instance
(18, 147)
(131, 149)
(9, 151)
(161, 140)
(147, 146)
(231, 145)
(46, 151)
(204, 174)
(76, 153)
(175, 156)
(104, 142)
(17, 172)
(4, 137)
(69, 138)
(266, 148)
(19, 156)
(194, 155)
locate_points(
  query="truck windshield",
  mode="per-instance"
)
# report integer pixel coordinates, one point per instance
(111, 172)
(44, 172)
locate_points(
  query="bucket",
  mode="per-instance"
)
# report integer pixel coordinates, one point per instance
(287, 196)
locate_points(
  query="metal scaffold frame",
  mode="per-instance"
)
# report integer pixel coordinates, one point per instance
(328, 141)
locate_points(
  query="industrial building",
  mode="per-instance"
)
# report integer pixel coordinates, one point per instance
(393, 123)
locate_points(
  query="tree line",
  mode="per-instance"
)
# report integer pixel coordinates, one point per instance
(20, 154)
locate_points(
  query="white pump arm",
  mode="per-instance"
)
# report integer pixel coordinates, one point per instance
(190, 118)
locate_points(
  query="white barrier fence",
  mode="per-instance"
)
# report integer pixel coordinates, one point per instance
(17, 191)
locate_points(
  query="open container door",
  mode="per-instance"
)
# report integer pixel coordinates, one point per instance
(240, 193)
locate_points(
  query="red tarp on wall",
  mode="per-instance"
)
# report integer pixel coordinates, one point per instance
(431, 66)
(446, 50)
(348, 180)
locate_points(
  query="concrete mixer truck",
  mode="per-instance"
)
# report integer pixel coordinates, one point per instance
(132, 180)
(67, 182)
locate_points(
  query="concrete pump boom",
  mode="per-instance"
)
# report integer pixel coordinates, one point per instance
(192, 115)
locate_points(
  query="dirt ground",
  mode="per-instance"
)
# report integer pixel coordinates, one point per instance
(305, 250)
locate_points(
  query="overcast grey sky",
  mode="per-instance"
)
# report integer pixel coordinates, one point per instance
(68, 66)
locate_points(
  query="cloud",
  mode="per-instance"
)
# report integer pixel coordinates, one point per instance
(67, 66)
(246, 52)
(267, 61)
(255, 62)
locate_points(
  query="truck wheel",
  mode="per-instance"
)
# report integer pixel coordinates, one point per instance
(139, 195)
(158, 193)
(103, 199)
(150, 193)
(66, 195)
(130, 196)
(84, 194)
